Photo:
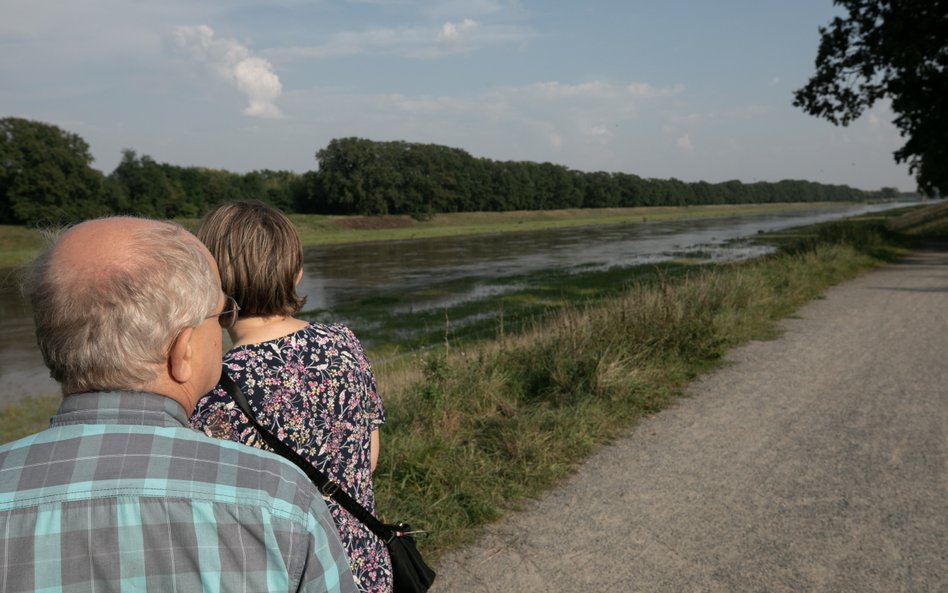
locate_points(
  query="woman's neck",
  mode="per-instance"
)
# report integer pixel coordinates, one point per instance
(253, 330)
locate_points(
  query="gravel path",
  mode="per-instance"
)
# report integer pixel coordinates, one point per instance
(815, 462)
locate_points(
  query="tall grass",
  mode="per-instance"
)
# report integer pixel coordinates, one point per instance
(930, 222)
(485, 429)
(475, 429)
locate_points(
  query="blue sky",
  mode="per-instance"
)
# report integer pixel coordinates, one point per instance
(691, 89)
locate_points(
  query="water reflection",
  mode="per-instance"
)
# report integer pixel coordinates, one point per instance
(440, 272)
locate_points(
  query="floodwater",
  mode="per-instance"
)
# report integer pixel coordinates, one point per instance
(440, 272)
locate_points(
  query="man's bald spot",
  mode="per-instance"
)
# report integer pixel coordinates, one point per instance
(97, 247)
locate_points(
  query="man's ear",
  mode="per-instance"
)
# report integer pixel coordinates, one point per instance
(180, 356)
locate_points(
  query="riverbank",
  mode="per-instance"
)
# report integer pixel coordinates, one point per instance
(20, 244)
(320, 230)
(489, 426)
(476, 428)
(786, 470)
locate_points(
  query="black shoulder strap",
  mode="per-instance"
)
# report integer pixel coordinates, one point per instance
(326, 486)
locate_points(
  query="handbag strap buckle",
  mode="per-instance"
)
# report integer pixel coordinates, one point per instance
(329, 488)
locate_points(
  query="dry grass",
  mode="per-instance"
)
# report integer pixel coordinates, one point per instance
(930, 221)
(484, 428)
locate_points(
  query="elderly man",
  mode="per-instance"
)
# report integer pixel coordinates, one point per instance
(119, 494)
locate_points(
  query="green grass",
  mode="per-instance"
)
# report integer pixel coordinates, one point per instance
(485, 415)
(523, 299)
(930, 222)
(19, 245)
(489, 425)
(317, 229)
(27, 416)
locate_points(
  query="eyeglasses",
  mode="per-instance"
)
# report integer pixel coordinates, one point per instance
(228, 317)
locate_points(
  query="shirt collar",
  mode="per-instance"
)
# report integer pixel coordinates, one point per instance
(120, 407)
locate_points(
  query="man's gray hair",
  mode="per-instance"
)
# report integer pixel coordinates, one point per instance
(113, 329)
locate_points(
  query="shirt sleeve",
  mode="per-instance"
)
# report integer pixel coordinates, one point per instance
(374, 410)
(326, 568)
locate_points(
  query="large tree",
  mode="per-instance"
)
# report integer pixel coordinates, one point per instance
(46, 175)
(896, 50)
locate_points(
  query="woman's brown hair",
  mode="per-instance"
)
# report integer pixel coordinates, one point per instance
(259, 254)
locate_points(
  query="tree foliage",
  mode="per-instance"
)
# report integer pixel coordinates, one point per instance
(147, 190)
(889, 49)
(359, 176)
(46, 176)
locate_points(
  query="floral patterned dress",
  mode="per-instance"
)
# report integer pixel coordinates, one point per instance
(314, 389)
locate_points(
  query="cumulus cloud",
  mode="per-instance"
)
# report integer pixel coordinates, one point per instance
(231, 61)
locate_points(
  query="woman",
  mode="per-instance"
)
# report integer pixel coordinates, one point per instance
(309, 383)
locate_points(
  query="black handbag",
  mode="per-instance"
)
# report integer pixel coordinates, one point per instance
(410, 574)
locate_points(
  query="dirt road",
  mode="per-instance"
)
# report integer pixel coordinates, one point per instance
(815, 462)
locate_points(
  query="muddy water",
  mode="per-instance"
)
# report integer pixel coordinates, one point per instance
(464, 266)
(438, 272)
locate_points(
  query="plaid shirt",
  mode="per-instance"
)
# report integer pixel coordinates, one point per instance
(119, 495)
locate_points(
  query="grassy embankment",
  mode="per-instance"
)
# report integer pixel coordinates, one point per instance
(485, 424)
(19, 244)
(493, 425)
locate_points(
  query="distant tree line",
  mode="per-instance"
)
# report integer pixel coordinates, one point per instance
(367, 177)
(46, 176)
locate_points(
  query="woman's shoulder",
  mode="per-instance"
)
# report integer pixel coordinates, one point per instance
(333, 337)
(335, 331)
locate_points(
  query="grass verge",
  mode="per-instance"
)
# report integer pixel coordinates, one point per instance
(491, 425)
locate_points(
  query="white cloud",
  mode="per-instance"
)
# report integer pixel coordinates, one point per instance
(231, 61)
(684, 143)
(410, 42)
(262, 87)
(598, 131)
(452, 32)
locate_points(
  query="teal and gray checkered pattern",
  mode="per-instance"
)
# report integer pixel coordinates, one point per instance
(119, 495)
